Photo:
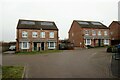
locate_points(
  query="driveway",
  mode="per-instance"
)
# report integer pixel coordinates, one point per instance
(86, 63)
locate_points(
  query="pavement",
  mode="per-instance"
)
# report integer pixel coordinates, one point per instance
(9, 52)
(83, 63)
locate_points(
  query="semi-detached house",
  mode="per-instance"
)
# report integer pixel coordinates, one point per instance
(92, 33)
(115, 32)
(35, 35)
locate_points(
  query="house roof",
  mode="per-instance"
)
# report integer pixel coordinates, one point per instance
(33, 24)
(91, 24)
(117, 22)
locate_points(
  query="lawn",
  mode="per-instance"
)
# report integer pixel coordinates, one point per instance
(0, 72)
(12, 72)
(40, 52)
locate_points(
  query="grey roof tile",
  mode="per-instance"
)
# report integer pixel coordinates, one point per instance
(33, 24)
(91, 24)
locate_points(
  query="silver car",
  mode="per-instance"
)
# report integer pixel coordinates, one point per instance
(12, 47)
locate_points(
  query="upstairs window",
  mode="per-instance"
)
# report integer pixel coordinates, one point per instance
(24, 34)
(42, 34)
(93, 32)
(51, 34)
(86, 32)
(105, 33)
(34, 34)
(99, 33)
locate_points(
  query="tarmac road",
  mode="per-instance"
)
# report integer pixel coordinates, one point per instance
(86, 63)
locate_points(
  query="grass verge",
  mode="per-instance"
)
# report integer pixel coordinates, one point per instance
(39, 52)
(12, 72)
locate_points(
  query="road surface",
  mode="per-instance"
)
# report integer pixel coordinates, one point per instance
(86, 63)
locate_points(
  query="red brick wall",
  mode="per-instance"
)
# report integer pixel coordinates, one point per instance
(102, 31)
(38, 31)
(19, 36)
(115, 29)
(78, 36)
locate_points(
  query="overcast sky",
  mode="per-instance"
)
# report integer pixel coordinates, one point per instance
(62, 12)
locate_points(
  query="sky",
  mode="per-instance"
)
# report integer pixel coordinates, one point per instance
(62, 12)
(119, 10)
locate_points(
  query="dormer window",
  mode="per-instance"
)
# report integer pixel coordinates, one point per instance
(24, 34)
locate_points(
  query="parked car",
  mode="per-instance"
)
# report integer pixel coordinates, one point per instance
(88, 46)
(109, 49)
(62, 47)
(113, 49)
(12, 47)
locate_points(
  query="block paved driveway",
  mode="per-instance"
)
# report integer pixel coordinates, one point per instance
(86, 63)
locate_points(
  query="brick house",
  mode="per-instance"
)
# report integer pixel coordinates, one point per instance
(115, 32)
(36, 35)
(83, 33)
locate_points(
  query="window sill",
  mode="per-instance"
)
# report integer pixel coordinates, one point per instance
(24, 48)
(51, 47)
(106, 43)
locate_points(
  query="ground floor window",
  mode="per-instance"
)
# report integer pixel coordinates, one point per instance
(24, 45)
(51, 45)
(88, 42)
(106, 42)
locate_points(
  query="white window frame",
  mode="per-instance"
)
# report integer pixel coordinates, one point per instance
(51, 35)
(106, 41)
(86, 42)
(42, 34)
(93, 32)
(105, 33)
(34, 34)
(49, 45)
(22, 45)
(86, 32)
(99, 33)
(24, 34)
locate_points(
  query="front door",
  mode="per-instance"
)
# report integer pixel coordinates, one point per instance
(42, 46)
(99, 42)
(35, 46)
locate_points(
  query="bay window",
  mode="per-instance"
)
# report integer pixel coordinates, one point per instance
(51, 45)
(88, 42)
(106, 42)
(24, 45)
